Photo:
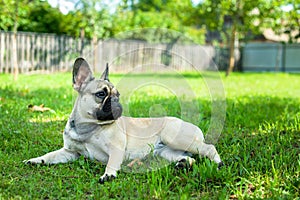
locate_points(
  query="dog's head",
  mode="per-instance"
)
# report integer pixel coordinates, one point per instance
(98, 98)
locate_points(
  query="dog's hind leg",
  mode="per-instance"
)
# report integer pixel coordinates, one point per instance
(204, 149)
(172, 155)
(208, 150)
(199, 147)
(195, 146)
(188, 137)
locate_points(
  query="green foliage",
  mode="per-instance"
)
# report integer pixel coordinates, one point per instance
(32, 16)
(259, 143)
(290, 20)
(6, 18)
(13, 11)
(97, 19)
(43, 18)
(92, 16)
(157, 16)
(222, 15)
(249, 17)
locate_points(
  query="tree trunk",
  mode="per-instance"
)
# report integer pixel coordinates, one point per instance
(231, 50)
(95, 52)
(82, 33)
(14, 44)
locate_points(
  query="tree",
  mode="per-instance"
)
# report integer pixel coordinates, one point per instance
(41, 17)
(287, 19)
(157, 15)
(6, 15)
(93, 17)
(10, 19)
(293, 20)
(235, 19)
(94, 21)
(14, 41)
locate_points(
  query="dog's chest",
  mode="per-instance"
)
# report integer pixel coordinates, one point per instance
(97, 148)
(94, 147)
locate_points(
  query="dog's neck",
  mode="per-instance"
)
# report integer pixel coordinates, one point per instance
(89, 123)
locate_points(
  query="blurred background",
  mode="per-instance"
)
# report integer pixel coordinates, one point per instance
(243, 35)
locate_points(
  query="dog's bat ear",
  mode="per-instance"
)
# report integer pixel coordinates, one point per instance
(82, 73)
(105, 74)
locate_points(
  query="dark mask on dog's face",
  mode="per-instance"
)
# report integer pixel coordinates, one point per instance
(108, 98)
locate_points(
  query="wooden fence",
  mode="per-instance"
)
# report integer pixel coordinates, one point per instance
(37, 52)
(52, 53)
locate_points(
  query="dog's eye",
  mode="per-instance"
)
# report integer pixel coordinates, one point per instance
(100, 94)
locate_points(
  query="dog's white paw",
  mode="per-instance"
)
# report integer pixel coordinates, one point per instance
(106, 177)
(34, 161)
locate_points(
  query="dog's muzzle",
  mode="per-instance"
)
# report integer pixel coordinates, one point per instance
(111, 110)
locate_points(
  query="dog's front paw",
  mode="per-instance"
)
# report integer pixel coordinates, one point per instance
(34, 161)
(106, 178)
(220, 165)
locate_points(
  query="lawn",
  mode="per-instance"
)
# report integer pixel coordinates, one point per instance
(259, 141)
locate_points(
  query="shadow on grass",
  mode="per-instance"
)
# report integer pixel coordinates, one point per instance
(261, 139)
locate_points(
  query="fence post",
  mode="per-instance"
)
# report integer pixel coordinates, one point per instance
(283, 60)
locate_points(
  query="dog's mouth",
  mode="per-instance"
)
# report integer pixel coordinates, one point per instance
(111, 110)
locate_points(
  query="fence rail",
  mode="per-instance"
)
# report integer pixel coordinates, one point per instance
(49, 52)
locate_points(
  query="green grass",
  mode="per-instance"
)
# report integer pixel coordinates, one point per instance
(260, 140)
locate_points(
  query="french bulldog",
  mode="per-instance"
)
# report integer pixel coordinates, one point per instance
(96, 129)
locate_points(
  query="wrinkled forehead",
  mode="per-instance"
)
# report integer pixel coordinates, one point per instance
(97, 85)
(104, 83)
